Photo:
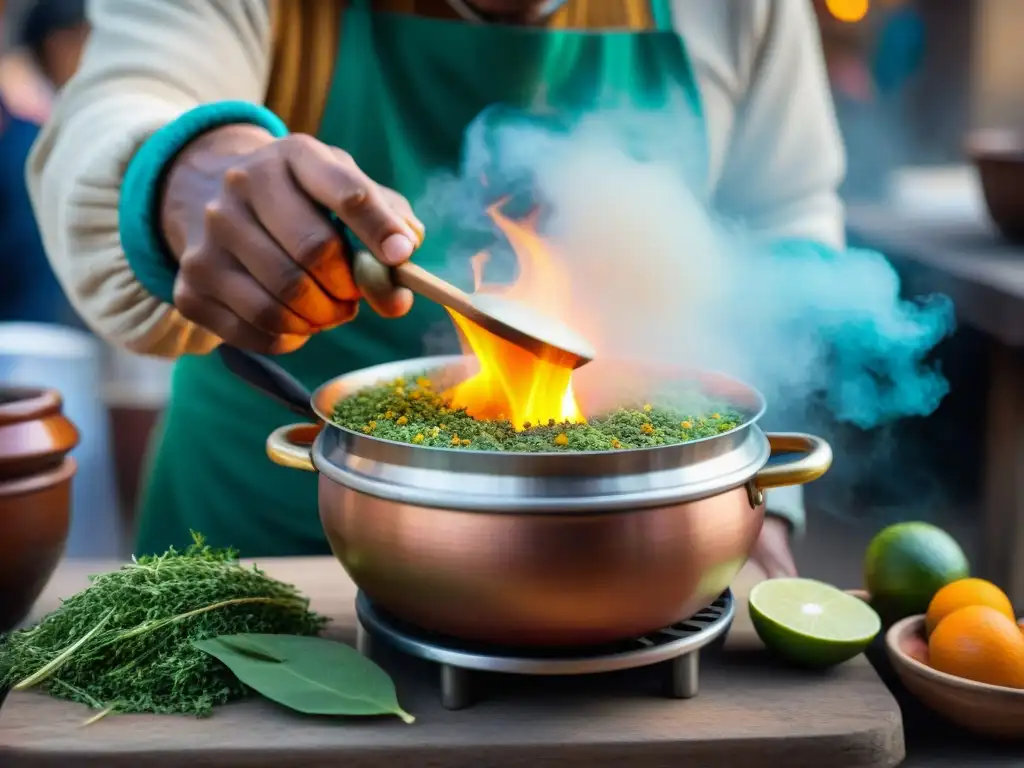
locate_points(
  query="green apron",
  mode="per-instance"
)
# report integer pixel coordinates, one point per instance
(405, 92)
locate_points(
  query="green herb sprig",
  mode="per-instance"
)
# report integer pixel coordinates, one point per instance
(126, 643)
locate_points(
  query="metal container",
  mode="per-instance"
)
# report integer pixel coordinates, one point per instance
(543, 549)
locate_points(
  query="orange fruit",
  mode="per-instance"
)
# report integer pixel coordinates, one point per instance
(962, 593)
(979, 643)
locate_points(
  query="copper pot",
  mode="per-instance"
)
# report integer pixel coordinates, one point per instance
(35, 495)
(550, 549)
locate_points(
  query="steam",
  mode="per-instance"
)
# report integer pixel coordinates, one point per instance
(658, 278)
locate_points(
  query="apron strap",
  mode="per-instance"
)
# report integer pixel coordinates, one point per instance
(661, 12)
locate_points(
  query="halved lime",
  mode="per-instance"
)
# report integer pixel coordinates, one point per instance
(811, 623)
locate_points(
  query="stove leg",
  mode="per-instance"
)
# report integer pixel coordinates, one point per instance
(685, 675)
(456, 687)
(364, 643)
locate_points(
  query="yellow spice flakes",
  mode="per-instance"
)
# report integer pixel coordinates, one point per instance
(647, 429)
(423, 382)
(616, 444)
(414, 395)
(418, 438)
(401, 420)
(562, 439)
(389, 414)
(648, 408)
(716, 415)
(455, 440)
(466, 442)
(686, 424)
(399, 382)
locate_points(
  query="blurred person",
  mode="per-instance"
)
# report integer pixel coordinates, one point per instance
(900, 50)
(182, 181)
(52, 34)
(55, 33)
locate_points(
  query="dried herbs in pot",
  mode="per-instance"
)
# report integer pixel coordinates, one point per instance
(416, 411)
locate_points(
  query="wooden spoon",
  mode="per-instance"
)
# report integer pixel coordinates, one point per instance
(543, 336)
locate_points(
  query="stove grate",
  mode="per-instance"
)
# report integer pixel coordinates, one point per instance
(678, 646)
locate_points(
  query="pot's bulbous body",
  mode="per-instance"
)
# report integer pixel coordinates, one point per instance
(535, 579)
(544, 549)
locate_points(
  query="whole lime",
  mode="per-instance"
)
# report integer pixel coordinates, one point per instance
(907, 563)
(811, 623)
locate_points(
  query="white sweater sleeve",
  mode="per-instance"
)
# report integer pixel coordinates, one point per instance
(147, 62)
(784, 161)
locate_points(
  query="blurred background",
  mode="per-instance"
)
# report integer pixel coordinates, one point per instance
(910, 80)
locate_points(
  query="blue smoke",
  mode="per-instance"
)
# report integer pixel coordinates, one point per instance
(657, 277)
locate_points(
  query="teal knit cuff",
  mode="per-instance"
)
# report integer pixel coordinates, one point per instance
(139, 204)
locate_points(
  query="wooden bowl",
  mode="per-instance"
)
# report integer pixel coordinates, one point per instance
(989, 710)
(999, 159)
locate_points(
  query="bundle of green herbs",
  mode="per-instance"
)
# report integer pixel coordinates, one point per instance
(416, 411)
(131, 641)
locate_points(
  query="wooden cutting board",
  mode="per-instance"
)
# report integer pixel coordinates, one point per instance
(749, 712)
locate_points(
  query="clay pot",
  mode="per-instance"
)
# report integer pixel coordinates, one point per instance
(35, 495)
(999, 158)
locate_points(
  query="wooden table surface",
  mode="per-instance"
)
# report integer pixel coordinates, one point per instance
(749, 712)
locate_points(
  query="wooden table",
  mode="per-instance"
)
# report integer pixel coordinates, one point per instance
(749, 712)
(958, 253)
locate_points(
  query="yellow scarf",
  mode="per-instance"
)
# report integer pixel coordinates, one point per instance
(306, 33)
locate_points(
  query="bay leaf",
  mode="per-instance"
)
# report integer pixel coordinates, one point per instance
(311, 675)
(246, 646)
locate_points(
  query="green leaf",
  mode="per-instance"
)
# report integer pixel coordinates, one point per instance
(247, 646)
(308, 674)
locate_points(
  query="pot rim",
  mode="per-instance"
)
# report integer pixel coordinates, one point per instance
(19, 404)
(558, 482)
(329, 393)
(41, 482)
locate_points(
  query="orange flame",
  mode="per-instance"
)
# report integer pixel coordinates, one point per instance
(512, 383)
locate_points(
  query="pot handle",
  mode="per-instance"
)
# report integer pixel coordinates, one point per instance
(812, 457)
(291, 446)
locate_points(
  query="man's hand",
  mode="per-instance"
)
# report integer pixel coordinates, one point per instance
(772, 553)
(260, 265)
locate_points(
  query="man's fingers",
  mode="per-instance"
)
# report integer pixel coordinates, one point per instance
(374, 280)
(301, 231)
(224, 323)
(401, 206)
(238, 232)
(333, 180)
(232, 286)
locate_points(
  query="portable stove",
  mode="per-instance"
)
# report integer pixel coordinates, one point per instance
(677, 646)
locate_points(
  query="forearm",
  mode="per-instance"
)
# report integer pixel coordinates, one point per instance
(147, 63)
(787, 504)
